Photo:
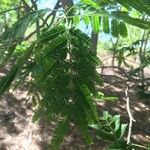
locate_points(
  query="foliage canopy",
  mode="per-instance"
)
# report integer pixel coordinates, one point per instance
(62, 67)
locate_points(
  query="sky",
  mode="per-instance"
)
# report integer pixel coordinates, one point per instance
(46, 4)
(51, 3)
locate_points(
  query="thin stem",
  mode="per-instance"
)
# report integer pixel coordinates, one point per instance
(129, 114)
(139, 146)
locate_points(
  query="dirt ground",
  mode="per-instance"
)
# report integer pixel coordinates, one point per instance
(17, 132)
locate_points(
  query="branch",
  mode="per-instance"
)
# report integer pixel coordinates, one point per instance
(128, 76)
(56, 7)
(31, 9)
(29, 140)
(34, 5)
(139, 146)
(2, 12)
(94, 41)
(27, 7)
(129, 114)
(54, 11)
(30, 35)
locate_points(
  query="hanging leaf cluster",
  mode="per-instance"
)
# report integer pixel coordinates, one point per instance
(63, 71)
(66, 77)
(117, 17)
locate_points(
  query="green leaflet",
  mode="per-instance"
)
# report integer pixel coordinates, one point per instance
(116, 119)
(123, 129)
(114, 28)
(90, 2)
(122, 29)
(95, 23)
(111, 98)
(106, 136)
(76, 20)
(105, 25)
(86, 20)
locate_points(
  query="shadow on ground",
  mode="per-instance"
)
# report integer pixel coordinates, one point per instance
(17, 132)
(139, 106)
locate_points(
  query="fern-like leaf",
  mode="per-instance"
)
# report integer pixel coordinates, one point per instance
(123, 29)
(59, 133)
(105, 22)
(114, 28)
(6, 81)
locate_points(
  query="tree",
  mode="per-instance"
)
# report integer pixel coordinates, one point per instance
(61, 63)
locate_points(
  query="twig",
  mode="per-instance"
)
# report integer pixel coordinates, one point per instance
(11, 9)
(29, 141)
(129, 114)
(33, 8)
(53, 13)
(139, 146)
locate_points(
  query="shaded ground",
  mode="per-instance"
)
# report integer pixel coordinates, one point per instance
(17, 132)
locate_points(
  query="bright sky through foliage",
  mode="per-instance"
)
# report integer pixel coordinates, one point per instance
(46, 3)
(51, 3)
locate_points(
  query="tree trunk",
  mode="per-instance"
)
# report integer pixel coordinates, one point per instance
(35, 7)
(94, 40)
(67, 4)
